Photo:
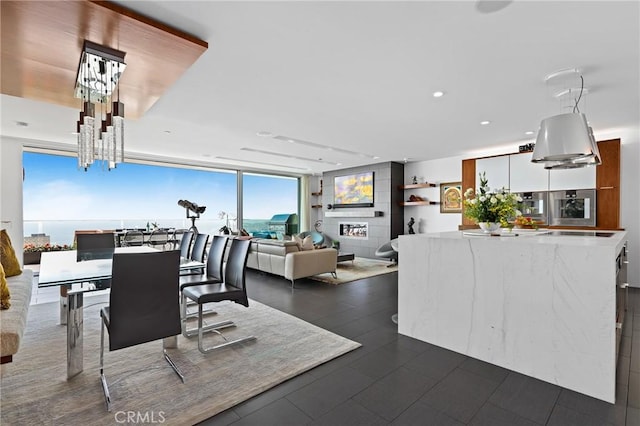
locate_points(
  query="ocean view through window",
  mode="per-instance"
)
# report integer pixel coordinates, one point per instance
(59, 199)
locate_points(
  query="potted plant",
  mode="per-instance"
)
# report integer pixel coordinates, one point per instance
(32, 252)
(490, 209)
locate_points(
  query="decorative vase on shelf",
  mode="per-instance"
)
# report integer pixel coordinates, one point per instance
(489, 227)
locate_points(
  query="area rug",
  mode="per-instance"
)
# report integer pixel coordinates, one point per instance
(35, 389)
(359, 268)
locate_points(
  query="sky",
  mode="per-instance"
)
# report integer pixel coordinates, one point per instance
(55, 189)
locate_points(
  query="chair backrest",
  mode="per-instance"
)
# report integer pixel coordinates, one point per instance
(95, 246)
(215, 261)
(234, 274)
(185, 244)
(143, 305)
(199, 247)
(159, 237)
(133, 238)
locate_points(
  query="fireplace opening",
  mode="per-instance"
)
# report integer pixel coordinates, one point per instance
(354, 230)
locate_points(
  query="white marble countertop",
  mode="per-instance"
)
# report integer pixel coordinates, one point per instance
(541, 236)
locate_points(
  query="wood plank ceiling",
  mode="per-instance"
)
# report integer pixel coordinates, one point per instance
(42, 42)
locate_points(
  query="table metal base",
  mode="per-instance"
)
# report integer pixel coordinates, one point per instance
(75, 325)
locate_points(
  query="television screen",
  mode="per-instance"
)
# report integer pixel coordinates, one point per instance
(354, 190)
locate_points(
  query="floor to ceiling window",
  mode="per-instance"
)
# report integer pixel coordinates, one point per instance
(58, 198)
(264, 196)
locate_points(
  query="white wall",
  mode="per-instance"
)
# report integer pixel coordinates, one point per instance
(11, 191)
(450, 169)
(629, 194)
(429, 218)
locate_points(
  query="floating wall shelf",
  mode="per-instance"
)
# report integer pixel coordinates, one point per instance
(418, 203)
(418, 185)
(372, 213)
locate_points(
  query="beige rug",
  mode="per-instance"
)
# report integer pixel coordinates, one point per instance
(34, 389)
(360, 268)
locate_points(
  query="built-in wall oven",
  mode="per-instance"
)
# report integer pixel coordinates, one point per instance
(572, 207)
(534, 205)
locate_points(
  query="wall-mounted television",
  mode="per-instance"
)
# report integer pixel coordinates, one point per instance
(355, 190)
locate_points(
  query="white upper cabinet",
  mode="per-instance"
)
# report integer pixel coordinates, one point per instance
(525, 176)
(496, 169)
(583, 178)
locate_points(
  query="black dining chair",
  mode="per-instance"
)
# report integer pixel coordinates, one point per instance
(99, 245)
(233, 289)
(185, 244)
(142, 304)
(199, 247)
(211, 275)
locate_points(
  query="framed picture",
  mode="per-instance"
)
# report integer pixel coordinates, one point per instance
(451, 197)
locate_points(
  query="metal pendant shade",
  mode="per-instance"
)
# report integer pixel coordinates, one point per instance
(591, 160)
(563, 138)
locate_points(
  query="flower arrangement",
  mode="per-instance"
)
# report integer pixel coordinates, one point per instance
(490, 206)
(32, 248)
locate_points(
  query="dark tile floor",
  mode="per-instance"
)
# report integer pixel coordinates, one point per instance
(393, 379)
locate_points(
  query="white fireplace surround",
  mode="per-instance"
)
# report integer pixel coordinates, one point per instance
(358, 230)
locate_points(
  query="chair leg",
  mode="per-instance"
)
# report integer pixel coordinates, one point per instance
(173, 365)
(201, 331)
(186, 332)
(103, 379)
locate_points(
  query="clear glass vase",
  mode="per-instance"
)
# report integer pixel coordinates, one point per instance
(489, 227)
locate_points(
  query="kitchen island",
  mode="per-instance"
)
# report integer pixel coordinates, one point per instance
(542, 304)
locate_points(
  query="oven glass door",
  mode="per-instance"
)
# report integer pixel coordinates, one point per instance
(573, 208)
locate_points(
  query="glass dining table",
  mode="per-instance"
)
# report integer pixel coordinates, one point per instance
(78, 273)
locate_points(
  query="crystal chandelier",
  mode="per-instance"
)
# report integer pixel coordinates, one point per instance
(100, 138)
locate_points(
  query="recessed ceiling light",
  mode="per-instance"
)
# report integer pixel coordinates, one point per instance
(22, 124)
(438, 94)
(528, 133)
(485, 122)
(264, 134)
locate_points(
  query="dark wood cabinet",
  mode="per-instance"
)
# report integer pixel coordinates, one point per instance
(608, 185)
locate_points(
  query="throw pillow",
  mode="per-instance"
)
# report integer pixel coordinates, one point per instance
(297, 240)
(307, 243)
(8, 256)
(4, 290)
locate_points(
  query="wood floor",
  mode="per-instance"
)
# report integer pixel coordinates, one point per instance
(393, 379)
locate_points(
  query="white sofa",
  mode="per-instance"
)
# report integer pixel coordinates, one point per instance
(284, 258)
(14, 320)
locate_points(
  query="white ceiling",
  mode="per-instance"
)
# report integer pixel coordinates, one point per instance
(360, 76)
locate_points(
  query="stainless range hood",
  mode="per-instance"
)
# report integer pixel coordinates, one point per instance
(566, 141)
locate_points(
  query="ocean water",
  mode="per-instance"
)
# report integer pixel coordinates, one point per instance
(62, 231)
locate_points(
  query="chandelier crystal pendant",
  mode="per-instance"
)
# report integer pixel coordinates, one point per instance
(98, 75)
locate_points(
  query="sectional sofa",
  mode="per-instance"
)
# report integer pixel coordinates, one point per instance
(287, 259)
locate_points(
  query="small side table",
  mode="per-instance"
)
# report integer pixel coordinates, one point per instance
(343, 257)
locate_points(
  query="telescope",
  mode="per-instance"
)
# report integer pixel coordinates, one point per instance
(192, 207)
(196, 209)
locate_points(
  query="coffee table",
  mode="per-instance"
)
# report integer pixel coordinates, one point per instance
(62, 268)
(343, 257)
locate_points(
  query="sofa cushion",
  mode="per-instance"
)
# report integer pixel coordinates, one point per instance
(4, 290)
(8, 256)
(14, 320)
(305, 243)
